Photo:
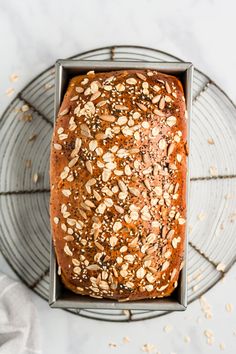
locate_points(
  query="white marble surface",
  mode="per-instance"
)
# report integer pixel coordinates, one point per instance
(33, 34)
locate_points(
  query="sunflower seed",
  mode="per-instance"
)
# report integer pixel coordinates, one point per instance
(141, 76)
(131, 81)
(64, 112)
(35, 178)
(73, 161)
(151, 238)
(168, 89)
(147, 184)
(95, 96)
(120, 107)
(162, 103)
(93, 267)
(106, 174)
(134, 191)
(101, 103)
(99, 246)
(78, 143)
(74, 98)
(165, 265)
(141, 106)
(82, 213)
(97, 196)
(89, 166)
(122, 186)
(156, 99)
(159, 113)
(170, 234)
(89, 204)
(65, 172)
(107, 118)
(119, 209)
(170, 149)
(91, 182)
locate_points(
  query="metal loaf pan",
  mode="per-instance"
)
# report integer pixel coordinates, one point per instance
(59, 296)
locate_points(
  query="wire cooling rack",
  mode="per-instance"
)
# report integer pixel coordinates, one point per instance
(25, 133)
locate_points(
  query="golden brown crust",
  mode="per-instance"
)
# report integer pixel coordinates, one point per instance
(118, 183)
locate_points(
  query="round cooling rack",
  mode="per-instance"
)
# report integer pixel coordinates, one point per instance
(25, 133)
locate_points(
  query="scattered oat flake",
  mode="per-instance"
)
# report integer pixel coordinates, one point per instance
(126, 312)
(14, 77)
(167, 328)
(33, 137)
(213, 171)
(208, 333)
(232, 217)
(229, 307)
(187, 339)
(222, 346)
(47, 86)
(35, 178)
(112, 345)
(26, 117)
(210, 141)
(10, 91)
(25, 108)
(126, 340)
(148, 348)
(205, 307)
(221, 267)
(28, 163)
(201, 216)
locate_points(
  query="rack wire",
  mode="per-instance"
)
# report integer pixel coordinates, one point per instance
(25, 148)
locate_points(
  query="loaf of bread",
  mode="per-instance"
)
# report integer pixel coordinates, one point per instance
(118, 184)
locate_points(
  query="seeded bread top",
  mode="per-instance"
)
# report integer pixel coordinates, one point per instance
(118, 180)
